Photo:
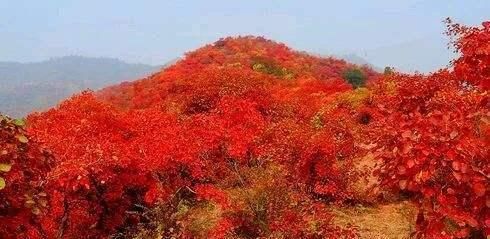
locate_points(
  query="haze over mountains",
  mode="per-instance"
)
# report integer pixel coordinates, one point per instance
(356, 59)
(26, 87)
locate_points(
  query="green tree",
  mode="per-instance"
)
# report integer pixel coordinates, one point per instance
(355, 77)
(388, 70)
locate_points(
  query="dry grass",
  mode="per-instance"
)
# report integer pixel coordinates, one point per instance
(390, 221)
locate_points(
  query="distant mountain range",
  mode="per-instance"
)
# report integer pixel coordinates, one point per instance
(27, 87)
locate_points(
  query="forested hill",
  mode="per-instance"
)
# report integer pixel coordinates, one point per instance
(248, 138)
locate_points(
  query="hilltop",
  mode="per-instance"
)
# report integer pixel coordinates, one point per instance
(245, 54)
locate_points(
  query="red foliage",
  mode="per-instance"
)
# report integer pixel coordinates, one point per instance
(474, 45)
(243, 55)
(184, 127)
(433, 143)
(23, 168)
(214, 129)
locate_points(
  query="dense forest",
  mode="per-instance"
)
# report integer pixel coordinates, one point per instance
(246, 138)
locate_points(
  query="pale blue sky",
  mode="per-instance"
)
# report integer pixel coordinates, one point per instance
(403, 33)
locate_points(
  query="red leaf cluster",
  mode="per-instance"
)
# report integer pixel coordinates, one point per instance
(23, 169)
(474, 45)
(434, 136)
(433, 142)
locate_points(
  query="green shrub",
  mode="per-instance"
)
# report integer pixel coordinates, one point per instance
(355, 77)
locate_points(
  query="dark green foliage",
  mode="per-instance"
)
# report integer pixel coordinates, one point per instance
(355, 77)
(388, 70)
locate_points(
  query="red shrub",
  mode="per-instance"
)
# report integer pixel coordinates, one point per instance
(474, 45)
(432, 145)
(23, 169)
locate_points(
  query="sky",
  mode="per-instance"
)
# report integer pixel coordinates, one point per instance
(405, 34)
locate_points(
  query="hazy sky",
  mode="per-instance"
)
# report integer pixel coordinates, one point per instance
(403, 33)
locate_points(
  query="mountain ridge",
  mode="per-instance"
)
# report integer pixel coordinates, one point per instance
(33, 86)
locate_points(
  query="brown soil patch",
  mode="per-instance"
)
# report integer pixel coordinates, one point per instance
(389, 221)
